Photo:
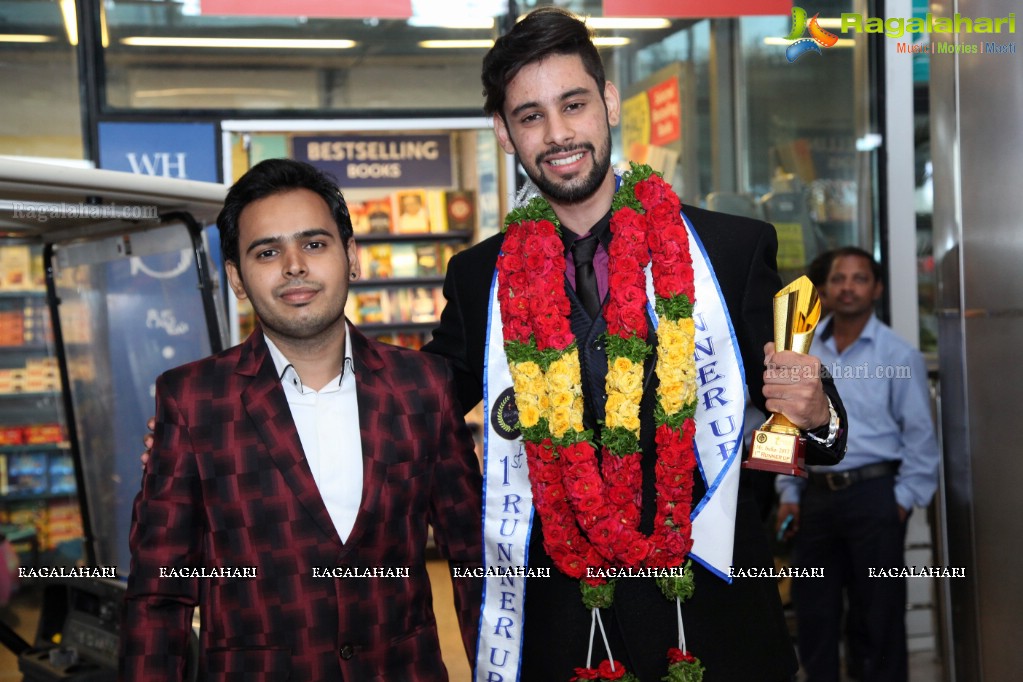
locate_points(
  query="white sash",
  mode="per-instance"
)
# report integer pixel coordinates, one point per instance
(507, 499)
(720, 408)
(507, 514)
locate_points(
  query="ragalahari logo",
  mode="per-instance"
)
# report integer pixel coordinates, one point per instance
(818, 36)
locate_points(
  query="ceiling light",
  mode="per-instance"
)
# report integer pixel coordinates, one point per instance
(469, 22)
(842, 42)
(70, 14)
(611, 42)
(243, 43)
(457, 44)
(218, 91)
(104, 34)
(626, 24)
(621, 23)
(25, 38)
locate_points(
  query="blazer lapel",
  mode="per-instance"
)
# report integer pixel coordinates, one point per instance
(267, 406)
(376, 412)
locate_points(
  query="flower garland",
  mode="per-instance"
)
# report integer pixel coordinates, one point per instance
(590, 512)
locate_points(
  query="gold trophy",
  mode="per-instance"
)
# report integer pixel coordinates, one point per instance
(778, 445)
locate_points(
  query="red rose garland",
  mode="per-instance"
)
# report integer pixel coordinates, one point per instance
(570, 491)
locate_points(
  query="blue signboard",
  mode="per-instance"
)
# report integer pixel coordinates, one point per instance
(172, 150)
(374, 161)
(187, 151)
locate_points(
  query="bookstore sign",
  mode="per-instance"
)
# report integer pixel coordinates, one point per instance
(373, 161)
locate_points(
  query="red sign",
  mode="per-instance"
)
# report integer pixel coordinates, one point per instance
(322, 9)
(694, 9)
(665, 113)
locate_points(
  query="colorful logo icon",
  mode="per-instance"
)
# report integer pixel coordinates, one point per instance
(818, 36)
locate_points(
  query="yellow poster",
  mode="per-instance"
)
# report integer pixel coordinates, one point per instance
(791, 252)
(636, 127)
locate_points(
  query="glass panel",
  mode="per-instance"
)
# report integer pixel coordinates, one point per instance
(40, 111)
(179, 55)
(810, 160)
(125, 319)
(924, 198)
(171, 55)
(687, 52)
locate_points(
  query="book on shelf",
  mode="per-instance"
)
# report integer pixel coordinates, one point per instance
(447, 251)
(375, 260)
(411, 211)
(425, 306)
(399, 305)
(461, 210)
(413, 340)
(352, 308)
(436, 202)
(428, 262)
(373, 305)
(359, 214)
(403, 260)
(379, 215)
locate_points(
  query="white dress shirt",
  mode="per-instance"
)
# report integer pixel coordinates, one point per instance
(328, 426)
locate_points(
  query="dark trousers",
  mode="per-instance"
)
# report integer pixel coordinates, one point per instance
(847, 533)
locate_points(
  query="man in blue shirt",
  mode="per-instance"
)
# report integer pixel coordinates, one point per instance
(850, 519)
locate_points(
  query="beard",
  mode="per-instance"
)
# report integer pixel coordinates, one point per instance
(299, 325)
(576, 189)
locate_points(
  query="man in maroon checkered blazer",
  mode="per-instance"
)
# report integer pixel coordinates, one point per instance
(292, 477)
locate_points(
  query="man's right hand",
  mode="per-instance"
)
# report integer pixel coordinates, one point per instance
(785, 510)
(147, 440)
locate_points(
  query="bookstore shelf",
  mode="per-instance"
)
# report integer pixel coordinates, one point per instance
(38, 492)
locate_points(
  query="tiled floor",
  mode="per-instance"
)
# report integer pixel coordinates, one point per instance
(447, 623)
(22, 615)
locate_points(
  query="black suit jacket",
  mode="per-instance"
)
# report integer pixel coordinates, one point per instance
(737, 630)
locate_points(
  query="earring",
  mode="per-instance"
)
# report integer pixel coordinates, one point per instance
(354, 275)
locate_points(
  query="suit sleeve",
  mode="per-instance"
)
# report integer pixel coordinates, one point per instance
(758, 312)
(456, 511)
(817, 453)
(166, 532)
(450, 339)
(758, 318)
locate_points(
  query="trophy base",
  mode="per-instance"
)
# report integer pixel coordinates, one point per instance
(777, 452)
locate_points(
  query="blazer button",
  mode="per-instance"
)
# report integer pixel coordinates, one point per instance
(347, 651)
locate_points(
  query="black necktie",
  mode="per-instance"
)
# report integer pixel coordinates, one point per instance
(585, 279)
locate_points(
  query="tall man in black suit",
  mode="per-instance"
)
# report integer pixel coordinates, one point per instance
(552, 107)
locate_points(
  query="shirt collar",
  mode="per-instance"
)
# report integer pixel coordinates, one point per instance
(602, 229)
(869, 330)
(286, 371)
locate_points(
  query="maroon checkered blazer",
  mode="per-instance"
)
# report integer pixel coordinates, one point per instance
(228, 486)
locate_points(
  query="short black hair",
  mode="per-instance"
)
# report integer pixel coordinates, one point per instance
(818, 269)
(544, 32)
(275, 176)
(875, 267)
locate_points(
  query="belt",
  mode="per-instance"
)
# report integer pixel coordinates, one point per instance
(840, 480)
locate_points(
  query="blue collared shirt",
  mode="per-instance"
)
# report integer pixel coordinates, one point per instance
(883, 384)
